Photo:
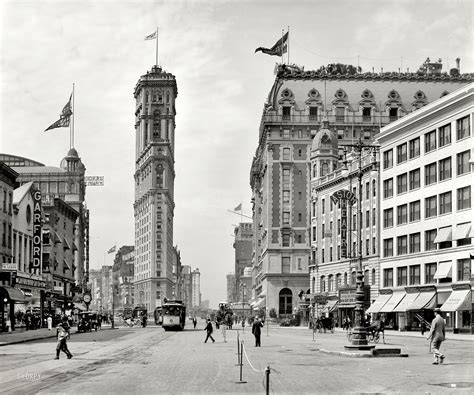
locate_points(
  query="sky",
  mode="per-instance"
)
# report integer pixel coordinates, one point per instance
(99, 46)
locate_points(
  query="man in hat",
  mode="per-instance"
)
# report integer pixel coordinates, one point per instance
(257, 331)
(209, 330)
(437, 336)
(62, 335)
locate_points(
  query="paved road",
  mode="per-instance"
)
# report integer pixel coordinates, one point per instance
(137, 360)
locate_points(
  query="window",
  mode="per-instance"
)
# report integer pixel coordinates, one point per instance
(388, 159)
(322, 255)
(330, 283)
(366, 111)
(353, 278)
(286, 196)
(415, 275)
(338, 281)
(414, 179)
(388, 218)
(414, 146)
(415, 211)
(388, 188)
(402, 183)
(388, 247)
(430, 173)
(286, 112)
(285, 239)
(402, 214)
(322, 231)
(322, 284)
(430, 141)
(367, 246)
(285, 264)
(367, 219)
(464, 198)
(300, 196)
(463, 128)
(402, 247)
(444, 135)
(415, 246)
(402, 153)
(286, 217)
(323, 206)
(430, 270)
(373, 217)
(300, 217)
(286, 154)
(367, 190)
(313, 112)
(430, 207)
(464, 269)
(430, 236)
(393, 114)
(445, 169)
(330, 254)
(445, 203)
(462, 160)
(388, 277)
(374, 188)
(374, 246)
(402, 276)
(286, 175)
(340, 114)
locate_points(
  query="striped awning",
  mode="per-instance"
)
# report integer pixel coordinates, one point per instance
(459, 300)
(379, 303)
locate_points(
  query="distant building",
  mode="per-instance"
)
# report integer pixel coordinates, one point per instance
(155, 94)
(196, 288)
(205, 305)
(243, 251)
(185, 286)
(123, 277)
(230, 288)
(8, 178)
(95, 286)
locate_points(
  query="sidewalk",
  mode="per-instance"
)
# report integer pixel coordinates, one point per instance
(22, 335)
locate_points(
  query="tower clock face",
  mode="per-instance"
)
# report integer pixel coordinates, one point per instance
(87, 298)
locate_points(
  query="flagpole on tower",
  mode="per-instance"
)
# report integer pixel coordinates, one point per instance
(157, 46)
(288, 45)
(72, 123)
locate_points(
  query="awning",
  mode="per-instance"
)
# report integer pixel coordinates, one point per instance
(458, 300)
(462, 231)
(444, 234)
(392, 303)
(262, 294)
(57, 238)
(444, 270)
(66, 265)
(406, 302)
(14, 294)
(332, 304)
(259, 303)
(425, 300)
(379, 303)
(74, 246)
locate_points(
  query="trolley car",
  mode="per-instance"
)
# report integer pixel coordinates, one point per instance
(174, 315)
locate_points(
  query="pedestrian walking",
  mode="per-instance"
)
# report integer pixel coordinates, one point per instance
(50, 322)
(423, 328)
(209, 331)
(257, 331)
(63, 334)
(195, 322)
(437, 336)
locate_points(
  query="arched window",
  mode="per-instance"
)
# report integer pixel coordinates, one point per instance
(345, 278)
(330, 283)
(373, 277)
(324, 169)
(374, 188)
(322, 284)
(338, 281)
(299, 217)
(313, 285)
(353, 278)
(285, 301)
(366, 276)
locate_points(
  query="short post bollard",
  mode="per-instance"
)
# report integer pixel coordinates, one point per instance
(241, 363)
(267, 380)
(238, 350)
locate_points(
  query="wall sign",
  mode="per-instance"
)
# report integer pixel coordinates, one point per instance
(37, 230)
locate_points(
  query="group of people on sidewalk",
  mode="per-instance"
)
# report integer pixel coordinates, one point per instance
(256, 331)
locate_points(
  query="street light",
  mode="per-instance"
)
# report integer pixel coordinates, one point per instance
(359, 338)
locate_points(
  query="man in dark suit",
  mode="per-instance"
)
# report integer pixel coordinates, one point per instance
(257, 331)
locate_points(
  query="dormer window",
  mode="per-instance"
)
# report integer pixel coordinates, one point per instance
(286, 112)
(313, 112)
(366, 114)
(393, 114)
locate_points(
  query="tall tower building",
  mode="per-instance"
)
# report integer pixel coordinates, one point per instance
(155, 95)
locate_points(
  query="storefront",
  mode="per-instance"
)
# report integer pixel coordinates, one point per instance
(9, 298)
(459, 307)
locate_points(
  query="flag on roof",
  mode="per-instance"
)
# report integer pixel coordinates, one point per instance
(112, 249)
(64, 118)
(238, 208)
(151, 36)
(280, 47)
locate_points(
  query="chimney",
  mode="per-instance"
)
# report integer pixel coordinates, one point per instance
(458, 63)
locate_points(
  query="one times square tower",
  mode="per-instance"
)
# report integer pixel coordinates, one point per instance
(155, 95)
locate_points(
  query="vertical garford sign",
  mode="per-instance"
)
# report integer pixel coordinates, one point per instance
(37, 230)
(343, 196)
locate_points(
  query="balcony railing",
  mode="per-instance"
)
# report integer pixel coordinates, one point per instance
(333, 119)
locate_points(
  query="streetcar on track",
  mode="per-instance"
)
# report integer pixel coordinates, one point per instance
(158, 315)
(174, 315)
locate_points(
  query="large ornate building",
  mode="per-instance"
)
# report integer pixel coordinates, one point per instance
(155, 95)
(356, 106)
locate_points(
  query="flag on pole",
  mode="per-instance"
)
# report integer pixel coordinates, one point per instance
(151, 36)
(64, 118)
(238, 208)
(112, 249)
(280, 47)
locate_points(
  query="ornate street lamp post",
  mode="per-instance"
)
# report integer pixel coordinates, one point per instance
(242, 286)
(359, 337)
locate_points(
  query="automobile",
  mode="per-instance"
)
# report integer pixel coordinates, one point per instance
(87, 321)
